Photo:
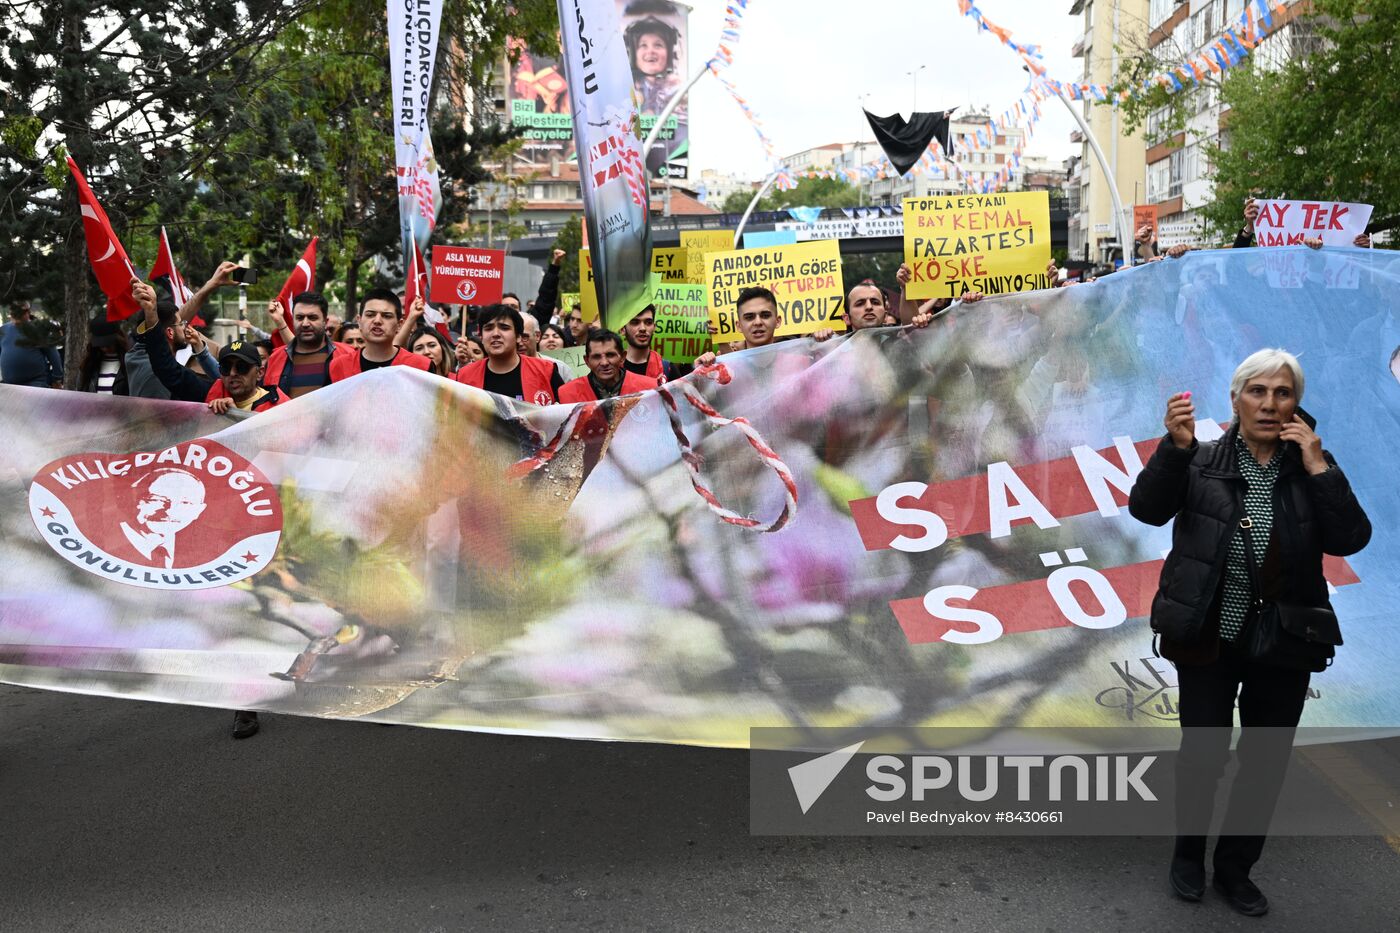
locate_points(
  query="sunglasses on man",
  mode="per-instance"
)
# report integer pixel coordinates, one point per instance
(239, 367)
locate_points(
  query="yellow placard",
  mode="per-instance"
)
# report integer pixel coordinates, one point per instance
(669, 263)
(588, 295)
(697, 243)
(991, 243)
(805, 278)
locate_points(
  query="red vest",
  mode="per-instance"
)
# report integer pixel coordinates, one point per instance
(343, 367)
(277, 363)
(655, 370)
(581, 390)
(274, 396)
(536, 378)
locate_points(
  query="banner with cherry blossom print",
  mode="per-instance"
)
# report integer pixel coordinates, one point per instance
(904, 527)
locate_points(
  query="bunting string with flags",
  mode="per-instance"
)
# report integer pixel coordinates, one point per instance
(108, 258)
(1237, 40)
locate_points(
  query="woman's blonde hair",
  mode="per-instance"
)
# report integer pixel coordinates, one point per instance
(1266, 363)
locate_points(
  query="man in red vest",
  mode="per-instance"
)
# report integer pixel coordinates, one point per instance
(641, 358)
(304, 365)
(505, 371)
(607, 378)
(380, 315)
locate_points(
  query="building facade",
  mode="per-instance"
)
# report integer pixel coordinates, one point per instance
(1178, 164)
(1108, 26)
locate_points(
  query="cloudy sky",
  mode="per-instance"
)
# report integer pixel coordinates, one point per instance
(804, 65)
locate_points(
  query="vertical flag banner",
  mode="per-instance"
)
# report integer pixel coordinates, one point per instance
(413, 37)
(607, 128)
(110, 263)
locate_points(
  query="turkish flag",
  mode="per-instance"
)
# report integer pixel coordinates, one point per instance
(302, 279)
(110, 263)
(165, 265)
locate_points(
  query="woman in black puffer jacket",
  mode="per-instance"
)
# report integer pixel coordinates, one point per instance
(1266, 486)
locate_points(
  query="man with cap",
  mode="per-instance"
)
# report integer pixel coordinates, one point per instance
(240, 383)
(607, 377)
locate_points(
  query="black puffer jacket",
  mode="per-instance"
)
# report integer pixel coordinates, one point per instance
(1202, 489)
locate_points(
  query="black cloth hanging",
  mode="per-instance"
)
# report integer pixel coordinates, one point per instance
(904, 141)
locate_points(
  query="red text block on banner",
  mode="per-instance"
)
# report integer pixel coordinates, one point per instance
(466, 275)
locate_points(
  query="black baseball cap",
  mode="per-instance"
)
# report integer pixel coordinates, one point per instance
(244, 350)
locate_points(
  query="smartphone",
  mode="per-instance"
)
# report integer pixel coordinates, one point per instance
(245, 276)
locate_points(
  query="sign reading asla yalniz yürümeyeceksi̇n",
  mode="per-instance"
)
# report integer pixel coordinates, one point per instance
(467, 275)
(989, 243)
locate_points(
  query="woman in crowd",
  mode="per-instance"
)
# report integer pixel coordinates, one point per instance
(1242, 607)
(349, 334)
(104, 367)
(552, 338)
(428, 342)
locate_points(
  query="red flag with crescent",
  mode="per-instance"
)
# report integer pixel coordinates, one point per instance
(110, 264)
(302, 279)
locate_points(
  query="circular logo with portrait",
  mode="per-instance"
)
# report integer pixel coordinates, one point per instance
(466, 290)
(190, 517)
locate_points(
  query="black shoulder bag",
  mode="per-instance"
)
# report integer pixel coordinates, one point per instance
(1287, 635)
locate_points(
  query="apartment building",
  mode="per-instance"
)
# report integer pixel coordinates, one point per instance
(1109, 28)
(1178, 165)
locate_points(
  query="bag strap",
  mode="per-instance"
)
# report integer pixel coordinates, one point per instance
(1246, 524)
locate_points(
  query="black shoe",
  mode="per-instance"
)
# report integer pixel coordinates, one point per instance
(1242, 895)
(245, 724)
(1188, 878)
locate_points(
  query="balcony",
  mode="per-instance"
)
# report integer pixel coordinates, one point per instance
(1084, 42)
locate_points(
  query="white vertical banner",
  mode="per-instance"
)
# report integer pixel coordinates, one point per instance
(413, 37)
(607, 130)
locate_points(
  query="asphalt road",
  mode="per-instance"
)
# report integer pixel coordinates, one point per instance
(116, 815)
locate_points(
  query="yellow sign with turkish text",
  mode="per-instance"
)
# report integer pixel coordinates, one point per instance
(989, 243)
(805, 278)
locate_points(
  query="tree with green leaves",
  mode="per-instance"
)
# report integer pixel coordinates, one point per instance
(242, 128)
(570, 240)
(1324, 125)
(808, 192)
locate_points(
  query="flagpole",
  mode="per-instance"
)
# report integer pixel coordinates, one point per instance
(1125, 236)
(758, 195)
(670, 108)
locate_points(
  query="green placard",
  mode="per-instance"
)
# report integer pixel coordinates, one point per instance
(682, 321)
(573, 356)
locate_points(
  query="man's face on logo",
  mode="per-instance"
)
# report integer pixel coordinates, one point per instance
(170, 503)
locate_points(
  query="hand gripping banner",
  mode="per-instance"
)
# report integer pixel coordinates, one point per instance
(897, 527)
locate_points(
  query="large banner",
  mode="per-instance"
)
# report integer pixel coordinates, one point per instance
(538, 95)
(413, 38)
(657, 52)
(895, 526)
(616, 188)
